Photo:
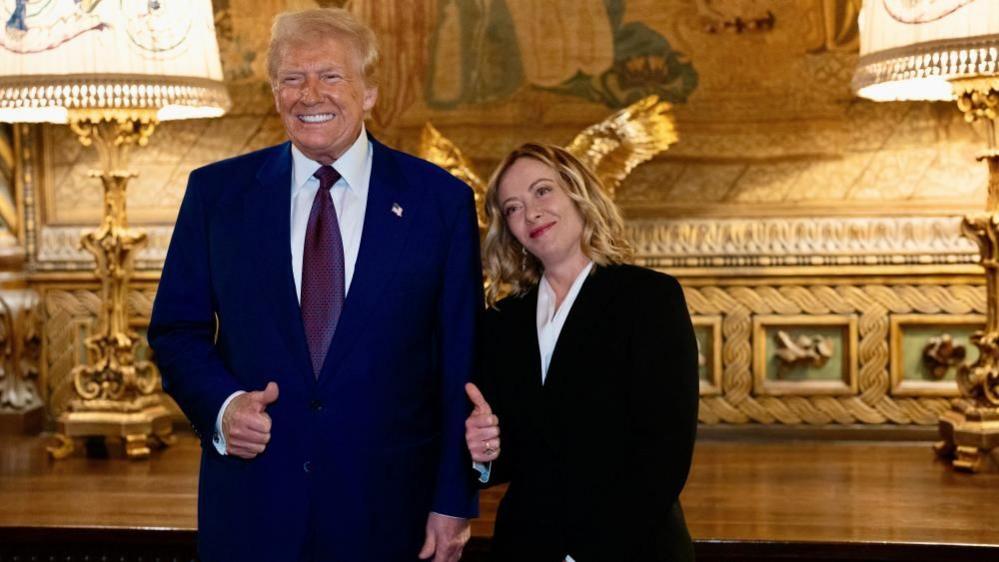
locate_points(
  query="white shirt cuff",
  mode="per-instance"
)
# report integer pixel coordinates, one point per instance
(449, 516)
(484, 470)
(218, 439)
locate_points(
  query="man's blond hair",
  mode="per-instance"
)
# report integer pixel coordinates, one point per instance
(311, 26)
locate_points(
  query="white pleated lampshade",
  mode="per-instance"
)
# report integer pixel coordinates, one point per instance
(917, 49)
(63, 59)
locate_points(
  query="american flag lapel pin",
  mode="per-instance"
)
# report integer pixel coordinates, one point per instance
(397, 209)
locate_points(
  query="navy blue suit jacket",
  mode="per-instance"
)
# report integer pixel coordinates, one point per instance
(359, 457)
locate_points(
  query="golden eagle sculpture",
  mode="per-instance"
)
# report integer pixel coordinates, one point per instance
(611, 148)
(616, 145)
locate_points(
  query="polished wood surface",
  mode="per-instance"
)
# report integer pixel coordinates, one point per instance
(832, 492)
(835, 497)
(829, 492)
(79, 492)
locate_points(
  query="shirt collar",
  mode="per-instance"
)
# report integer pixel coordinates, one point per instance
(350, 165)
(546, 295)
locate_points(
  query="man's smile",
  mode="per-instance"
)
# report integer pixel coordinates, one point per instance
(317, 118)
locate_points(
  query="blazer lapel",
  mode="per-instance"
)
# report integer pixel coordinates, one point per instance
(382, 238)
(268, 226)
(594, 296)
(520, 333)
(528, 337)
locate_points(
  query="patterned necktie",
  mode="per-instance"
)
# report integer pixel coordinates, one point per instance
(322, 271)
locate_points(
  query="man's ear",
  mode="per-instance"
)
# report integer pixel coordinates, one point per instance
(370, 98)
(274, 92)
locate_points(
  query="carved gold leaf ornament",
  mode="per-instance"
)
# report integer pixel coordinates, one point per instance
(20, 343)
(940, 354)
(808, 351)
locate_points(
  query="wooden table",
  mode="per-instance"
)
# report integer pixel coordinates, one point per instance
(744, 500)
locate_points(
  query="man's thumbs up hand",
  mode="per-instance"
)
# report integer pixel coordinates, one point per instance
(265, 397)
(245, 423)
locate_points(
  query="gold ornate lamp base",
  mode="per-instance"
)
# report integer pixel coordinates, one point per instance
(970, 437)
(138, 425)
(969, 431)
(116, 394)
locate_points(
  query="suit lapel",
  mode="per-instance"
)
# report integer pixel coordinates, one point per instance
(520, 333)
(382, 238)
(527, 333)
(268, 226)
(584, 318)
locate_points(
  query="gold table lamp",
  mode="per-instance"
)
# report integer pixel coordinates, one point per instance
(949, 50)
(112, 71)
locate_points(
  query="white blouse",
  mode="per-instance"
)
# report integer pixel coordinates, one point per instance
(550, 319)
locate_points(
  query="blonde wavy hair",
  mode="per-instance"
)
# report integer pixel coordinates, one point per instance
(508, 267)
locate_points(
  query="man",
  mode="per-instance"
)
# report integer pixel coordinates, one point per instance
(316, 320)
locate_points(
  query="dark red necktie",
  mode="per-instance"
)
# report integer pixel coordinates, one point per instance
(323, 289)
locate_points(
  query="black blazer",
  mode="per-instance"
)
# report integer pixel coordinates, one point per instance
(596, 457)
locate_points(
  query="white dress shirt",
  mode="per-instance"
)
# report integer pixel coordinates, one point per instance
(350, 198)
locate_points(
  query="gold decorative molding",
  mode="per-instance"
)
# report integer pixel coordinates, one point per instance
(20, 351)
(58, 248)
(670, 244)
(805, 241)
(872, 303)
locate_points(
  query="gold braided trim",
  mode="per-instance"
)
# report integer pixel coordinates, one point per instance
(873, 304)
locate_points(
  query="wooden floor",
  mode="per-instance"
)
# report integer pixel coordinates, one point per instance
(837, 501)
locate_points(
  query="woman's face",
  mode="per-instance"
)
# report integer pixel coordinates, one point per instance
(539, 212)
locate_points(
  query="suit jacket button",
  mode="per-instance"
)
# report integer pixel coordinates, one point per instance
(316, 405)
(307, 467)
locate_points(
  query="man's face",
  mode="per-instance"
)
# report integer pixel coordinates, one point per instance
(321, 96)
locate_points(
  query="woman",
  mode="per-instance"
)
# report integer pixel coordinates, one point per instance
(590, 369)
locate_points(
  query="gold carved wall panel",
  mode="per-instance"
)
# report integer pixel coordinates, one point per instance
(873, 305)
